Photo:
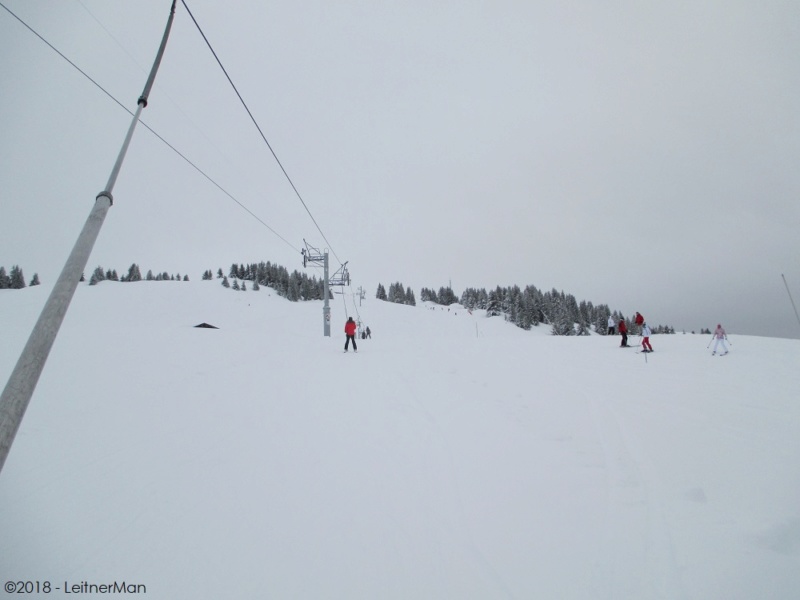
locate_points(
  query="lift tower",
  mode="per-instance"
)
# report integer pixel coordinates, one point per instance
(340, 278)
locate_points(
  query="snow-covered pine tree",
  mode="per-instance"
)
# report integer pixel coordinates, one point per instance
(98, 275)
(35, 280)
(225, 282)
(17, 278)
(600, 319)
(493, 308)
(309, 290)
(562, 323)
(469, 298)
(381, 293)
(533, 304)
(446, 296)
(293, 288)
(134, 274)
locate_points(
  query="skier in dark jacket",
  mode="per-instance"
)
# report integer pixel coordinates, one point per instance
(623, 331)
(350, 331)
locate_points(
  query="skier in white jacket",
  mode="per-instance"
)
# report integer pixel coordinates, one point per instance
(719, 338)
(646, 347)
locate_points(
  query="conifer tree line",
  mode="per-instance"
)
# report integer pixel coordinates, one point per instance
(529, 307)
(134, 274)
(15, 279)
(295, 286)
(398, 294)
(445, 296)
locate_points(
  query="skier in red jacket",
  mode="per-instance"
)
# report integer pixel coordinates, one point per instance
(350, 331)
(639, 320)
(623, 331)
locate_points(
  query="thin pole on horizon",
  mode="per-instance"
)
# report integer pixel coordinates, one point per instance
(790, 298)
(18, 391)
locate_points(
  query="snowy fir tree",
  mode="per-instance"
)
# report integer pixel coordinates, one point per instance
(293, 291)
(134, 273)
(98, 275)
(35, 280)
(397, 293)
(446, 296)
(426, 295)
(381, 293)
(225, 283)
(17, 278)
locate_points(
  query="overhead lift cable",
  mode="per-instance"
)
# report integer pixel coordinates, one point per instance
(151, 130)
(264, 137)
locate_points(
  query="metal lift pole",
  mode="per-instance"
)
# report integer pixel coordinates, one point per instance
(18, 391)
(326, 307)
(340, 278)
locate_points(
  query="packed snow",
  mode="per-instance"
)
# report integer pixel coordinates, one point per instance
(452, 456)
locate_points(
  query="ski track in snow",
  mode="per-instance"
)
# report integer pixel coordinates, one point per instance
(641, 551)
(456, 525)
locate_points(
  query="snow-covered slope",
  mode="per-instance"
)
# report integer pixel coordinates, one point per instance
(454, 456)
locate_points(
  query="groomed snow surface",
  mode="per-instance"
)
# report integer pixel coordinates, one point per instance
(454, 456)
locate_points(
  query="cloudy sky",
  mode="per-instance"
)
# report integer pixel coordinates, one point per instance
(641, 155)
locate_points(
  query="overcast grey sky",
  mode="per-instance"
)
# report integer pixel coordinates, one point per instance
(638, 154)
